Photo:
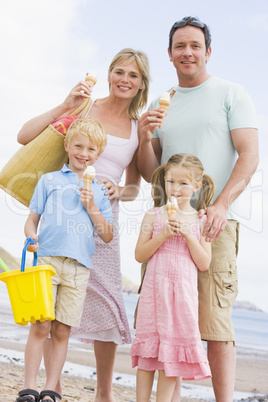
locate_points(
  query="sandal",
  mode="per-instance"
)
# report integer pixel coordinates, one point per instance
(28, 395)
(52, 394)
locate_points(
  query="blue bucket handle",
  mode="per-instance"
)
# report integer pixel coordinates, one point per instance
(29, 240)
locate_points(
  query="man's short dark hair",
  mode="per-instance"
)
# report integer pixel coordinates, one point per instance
(192, 21)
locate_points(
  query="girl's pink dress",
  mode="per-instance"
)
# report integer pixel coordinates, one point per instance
(104, 316)
(167, 333)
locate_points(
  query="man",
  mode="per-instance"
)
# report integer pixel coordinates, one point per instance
(215, 120)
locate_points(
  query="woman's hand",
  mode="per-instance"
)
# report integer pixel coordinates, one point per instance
(112, 190)
(77, 95)
(32, 128)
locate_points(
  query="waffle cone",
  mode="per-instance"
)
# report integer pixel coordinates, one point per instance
(88, 179)
(164, 104)
(171, 211)
(91, 80)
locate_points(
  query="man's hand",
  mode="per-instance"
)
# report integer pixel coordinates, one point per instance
(148, 123)
(216, 221)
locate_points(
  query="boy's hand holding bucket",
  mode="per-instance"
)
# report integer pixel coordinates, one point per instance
(33, 247)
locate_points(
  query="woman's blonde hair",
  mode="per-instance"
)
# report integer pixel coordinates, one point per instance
(196, 175)
(91, 128)
(129, 55)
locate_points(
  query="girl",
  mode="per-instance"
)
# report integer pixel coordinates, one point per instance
(167, 334)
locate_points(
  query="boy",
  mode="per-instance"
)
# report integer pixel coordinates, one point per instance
(70, 213)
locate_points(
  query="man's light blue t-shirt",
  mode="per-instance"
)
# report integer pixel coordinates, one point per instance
(66, 229)
(199, 121)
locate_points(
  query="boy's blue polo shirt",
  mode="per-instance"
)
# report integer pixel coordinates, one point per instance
(66, 229)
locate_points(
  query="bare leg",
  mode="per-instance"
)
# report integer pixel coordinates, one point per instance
(33, 352)
(165, 387)
(222, 360)
(57, 355)
(176, 397)
(46, 351)
(105, 357)
(144, 385)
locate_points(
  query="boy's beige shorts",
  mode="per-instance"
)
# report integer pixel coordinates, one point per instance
(69, 288)
(217, 287)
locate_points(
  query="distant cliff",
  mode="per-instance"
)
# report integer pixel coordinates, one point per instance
(11, 262)
(129, 287)
(246, 305)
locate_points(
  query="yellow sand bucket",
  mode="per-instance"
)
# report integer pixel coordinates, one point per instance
(30, 291)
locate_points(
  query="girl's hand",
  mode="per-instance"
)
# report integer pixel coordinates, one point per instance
(87, 197)
(113, 191)
(77, 95)
(183, 228)
(33, 247)
(169, 230)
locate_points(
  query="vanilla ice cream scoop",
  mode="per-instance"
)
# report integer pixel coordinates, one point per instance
(165, 96)
(173, 201)
(90, 170)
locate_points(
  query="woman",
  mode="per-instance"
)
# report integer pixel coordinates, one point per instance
(104, 319)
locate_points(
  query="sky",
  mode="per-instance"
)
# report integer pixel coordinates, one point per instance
(47, 47)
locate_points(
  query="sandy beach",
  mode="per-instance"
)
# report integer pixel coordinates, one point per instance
(251, 377)
(79, 374)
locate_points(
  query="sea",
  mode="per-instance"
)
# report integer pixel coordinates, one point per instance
(251, 329)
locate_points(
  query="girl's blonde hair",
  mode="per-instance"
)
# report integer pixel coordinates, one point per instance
(128, 56)
(196, 175)
(91, 128)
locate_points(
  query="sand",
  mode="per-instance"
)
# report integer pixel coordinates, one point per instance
(251, 377)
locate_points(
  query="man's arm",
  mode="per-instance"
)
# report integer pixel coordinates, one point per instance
(245, 141)
(149, 151)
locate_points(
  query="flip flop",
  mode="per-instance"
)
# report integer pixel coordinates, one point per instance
(52, 394)
(28, 395)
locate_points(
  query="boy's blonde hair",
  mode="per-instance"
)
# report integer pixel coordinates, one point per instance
(90, 128)
(195, 174)
(128, 56)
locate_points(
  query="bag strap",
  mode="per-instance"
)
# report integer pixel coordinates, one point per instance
(84, 107)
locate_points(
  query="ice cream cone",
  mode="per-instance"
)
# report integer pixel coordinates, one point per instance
(91, 78)
(164, 103)
(88, 179)
(172, 208)
(89, 176)
(171, 211)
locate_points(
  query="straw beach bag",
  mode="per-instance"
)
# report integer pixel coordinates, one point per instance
(43, 154)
